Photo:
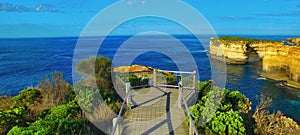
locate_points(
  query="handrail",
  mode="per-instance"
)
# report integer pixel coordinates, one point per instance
(191, 118)
(181, 97)
(120, 113)
(120, 79)
(192, 124)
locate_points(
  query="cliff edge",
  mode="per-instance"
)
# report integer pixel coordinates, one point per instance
(279, 62)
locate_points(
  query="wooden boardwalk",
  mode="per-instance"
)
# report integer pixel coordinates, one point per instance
(155, 110)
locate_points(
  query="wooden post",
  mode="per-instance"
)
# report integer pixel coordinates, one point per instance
(194, 80)
(154, 77)
(180, 94)
(128, 87)
(117, 131)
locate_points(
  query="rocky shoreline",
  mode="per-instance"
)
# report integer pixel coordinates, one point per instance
(279, 62)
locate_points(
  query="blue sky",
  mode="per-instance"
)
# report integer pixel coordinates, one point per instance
(56, 18)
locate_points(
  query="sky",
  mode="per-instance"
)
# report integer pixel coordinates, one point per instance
(65, 18)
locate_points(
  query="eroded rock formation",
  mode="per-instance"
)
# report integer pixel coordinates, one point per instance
(279, 62)
(295, 41)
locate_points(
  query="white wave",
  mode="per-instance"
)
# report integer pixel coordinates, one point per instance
(261, 78)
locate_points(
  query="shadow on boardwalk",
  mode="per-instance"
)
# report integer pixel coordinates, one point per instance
(155, 110)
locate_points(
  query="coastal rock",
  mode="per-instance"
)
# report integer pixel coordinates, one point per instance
(133, 68)
(279, 62)
(295, 41)
(136, 69)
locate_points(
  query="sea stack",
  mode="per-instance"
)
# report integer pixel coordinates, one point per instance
(279, 62)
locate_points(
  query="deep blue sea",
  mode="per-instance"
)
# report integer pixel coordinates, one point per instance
(25, 61)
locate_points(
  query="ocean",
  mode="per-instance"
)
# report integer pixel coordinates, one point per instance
(26, 61)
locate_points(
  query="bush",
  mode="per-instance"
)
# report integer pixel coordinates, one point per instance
(97, 69)
(228, 123)
(90, 99)
(5, 102)
(228, 106)
(135, 80)
(11, 117)
(58, 120)
(171, 79)
(268, 123)
(55, 91)
(27, 97)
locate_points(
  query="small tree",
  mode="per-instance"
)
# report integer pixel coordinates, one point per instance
(55, 90)
(97, 69)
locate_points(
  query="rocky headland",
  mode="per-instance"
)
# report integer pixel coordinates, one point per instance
(279, 62)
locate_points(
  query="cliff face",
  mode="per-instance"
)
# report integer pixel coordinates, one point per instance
(279, 62)
(295, 41)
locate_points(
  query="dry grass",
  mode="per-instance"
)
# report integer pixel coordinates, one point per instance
(5, 102)
(54, 92)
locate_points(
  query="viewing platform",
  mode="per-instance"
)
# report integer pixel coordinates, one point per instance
(158, 102)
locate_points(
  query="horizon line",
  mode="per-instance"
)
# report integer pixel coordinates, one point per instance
(125, 35)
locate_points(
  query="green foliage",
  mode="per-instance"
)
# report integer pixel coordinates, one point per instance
(58, 120)
(138, 80)
(98, 68)
(250, 40)
(133, 79)
(227, 106)
(27, 97)
(239, 101)
(90, 99)
(11, 117)
(171, 79)
(203, 88)
(229, 122)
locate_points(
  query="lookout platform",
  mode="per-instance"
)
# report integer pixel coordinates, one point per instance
(156, 109)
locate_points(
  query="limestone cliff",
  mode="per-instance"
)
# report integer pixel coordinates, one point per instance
(295, 41)
(279, 62)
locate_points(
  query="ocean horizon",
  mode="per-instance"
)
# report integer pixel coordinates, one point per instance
(26, 61)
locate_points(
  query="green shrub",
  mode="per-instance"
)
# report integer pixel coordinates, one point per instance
(227, 105)
(102, 71)
(58, 120)
(90, 98)
(138, 80)
(12, 117)
(203, 88)
(226, 123)
(133, 79)
(171, 79)
(27, 97)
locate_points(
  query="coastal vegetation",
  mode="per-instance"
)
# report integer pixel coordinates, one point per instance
(249, 40)
(56, 107)
(53, 107)
(233, 114)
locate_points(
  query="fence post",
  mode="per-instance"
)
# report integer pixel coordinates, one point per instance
(191, 132)
(118, 130)
(180, 94)
(154, 77)
(194, 79)
(128, 87)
